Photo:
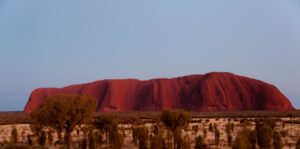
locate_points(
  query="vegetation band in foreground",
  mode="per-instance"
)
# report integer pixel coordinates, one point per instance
(68, 121)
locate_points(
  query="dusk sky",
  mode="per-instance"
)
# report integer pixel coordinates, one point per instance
(57, 43)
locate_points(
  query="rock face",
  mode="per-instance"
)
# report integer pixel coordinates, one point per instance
(214, 91)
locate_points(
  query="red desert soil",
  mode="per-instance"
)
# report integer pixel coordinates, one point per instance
(216, 91)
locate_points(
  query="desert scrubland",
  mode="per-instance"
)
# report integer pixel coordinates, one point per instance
(201, 124)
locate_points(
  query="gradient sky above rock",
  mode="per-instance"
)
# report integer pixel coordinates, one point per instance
(55, 43)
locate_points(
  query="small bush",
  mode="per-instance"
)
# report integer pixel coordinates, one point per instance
(14, 135)
(264, 135)
(140, 135)
(199, 143)
(115, 139)
(242, 140)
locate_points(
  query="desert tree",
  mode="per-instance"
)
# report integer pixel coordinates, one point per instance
(175, 120)
(253, 139)
(141, 136)
(115, 138)
(38, 125)
(106, 124)
(264, 134)
(63, 113)
(178, 139)
(91, 140)
(156, 139)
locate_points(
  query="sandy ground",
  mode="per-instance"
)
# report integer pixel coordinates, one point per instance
(293, 131)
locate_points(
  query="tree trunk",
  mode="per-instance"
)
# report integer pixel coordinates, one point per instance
(106, 138)
(174, 140)
(68, 138)
(59, 134)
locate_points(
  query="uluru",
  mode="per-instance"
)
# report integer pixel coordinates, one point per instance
(215, 91)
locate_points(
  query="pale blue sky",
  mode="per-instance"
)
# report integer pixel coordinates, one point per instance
(57, 43)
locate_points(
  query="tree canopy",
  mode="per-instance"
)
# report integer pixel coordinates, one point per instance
(63, 113)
